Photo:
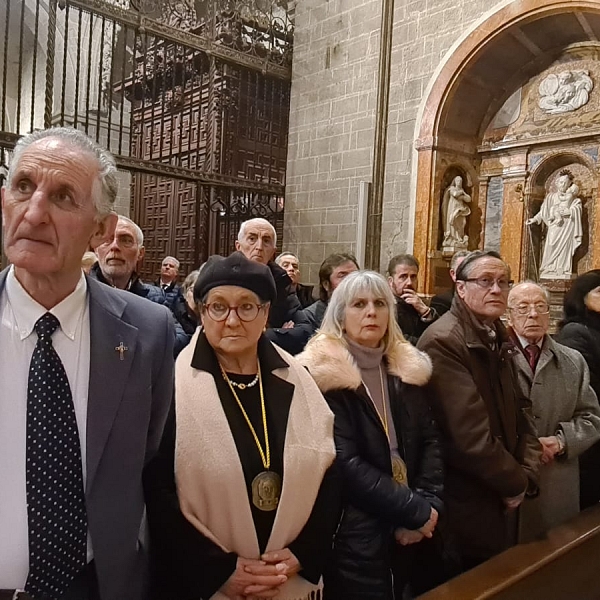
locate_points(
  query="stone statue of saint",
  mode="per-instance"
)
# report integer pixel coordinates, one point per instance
(561, 213)
(455, 210)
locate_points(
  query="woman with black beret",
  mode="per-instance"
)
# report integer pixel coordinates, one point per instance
(242, 501)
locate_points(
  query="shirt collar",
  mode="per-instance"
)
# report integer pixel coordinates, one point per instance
(27, 311)
(524, 343)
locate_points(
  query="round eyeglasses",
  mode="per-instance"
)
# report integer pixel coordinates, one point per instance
(246, 312)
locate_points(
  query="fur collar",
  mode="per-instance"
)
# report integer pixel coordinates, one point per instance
(333, 367)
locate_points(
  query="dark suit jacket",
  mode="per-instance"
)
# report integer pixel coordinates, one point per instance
(128, 402)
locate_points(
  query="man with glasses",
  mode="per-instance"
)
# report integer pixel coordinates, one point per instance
(492, 452)
(118, 258)
(565, 408)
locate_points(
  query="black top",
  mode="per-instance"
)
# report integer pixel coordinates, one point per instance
(410, 321)
(248, 452)
(442, 302)
(185, 564)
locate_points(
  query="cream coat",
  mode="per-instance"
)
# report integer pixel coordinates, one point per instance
(210, 481)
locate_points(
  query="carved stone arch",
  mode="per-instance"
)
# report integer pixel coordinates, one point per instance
(483, 68)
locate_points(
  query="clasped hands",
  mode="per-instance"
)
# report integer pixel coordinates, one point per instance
(406, 537)
(254, 579)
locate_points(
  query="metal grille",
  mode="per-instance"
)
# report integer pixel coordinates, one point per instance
(192, 98)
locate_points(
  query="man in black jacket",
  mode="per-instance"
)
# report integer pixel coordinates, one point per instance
(291, 265)
(331, 273)
(116, 266)
(288, 325)
(412, 314)
(169, 272)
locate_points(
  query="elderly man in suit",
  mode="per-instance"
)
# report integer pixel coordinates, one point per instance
(86, 381)
(565, 409)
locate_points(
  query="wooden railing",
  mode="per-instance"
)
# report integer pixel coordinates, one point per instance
(563, 566)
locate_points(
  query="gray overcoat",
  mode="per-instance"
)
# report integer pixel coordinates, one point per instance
(563, 400)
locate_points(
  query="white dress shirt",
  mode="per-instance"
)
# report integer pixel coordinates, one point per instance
(18, 315)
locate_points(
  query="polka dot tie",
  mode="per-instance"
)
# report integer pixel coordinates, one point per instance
(55, 493)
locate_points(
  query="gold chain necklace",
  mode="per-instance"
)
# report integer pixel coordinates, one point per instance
(266, 486)
(265, 454)
(399, 471)
(384, 419)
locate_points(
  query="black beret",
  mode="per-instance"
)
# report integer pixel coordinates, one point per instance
(236, 270)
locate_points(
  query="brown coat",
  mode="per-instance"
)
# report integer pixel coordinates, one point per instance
(492, 451)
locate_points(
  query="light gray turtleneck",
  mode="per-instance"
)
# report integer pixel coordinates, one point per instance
(372, 370)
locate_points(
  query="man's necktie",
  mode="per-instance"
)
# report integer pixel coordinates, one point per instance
(55, 494)
(533, 353)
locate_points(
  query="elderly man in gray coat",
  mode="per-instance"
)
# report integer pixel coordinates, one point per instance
(565, 408)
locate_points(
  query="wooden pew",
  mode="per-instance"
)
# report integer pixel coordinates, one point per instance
(565, 565)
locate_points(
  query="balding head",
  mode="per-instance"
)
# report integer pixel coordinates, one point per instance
(257, 240)
(529, 311)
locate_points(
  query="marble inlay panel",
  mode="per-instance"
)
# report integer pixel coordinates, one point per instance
(493, 214)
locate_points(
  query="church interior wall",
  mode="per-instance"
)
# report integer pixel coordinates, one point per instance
(332, 116)
(518, 100)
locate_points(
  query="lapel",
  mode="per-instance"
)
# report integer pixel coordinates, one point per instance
(108, 373)
(3, 275)
(521, 360)
(547, 354)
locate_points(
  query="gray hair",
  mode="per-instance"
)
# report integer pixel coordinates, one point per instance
(89, 259)
(456, 257)
(107, 169)
(172, 259)
(139, 234)
(280, 257)
(256, 221)
(468, 264)
(544, 290)
(351, 287)
(189, 281)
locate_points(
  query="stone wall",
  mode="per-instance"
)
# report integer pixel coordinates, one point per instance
(332, 117)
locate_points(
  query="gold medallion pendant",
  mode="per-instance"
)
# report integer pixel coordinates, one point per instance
(266, 490)
(399, 472)
(266, 486)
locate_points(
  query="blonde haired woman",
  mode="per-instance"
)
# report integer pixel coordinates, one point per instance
(388, 450)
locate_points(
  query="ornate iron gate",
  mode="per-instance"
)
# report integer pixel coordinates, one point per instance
(191, 96)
